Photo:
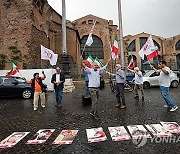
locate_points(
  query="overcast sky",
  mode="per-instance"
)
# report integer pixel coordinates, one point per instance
(158, 17)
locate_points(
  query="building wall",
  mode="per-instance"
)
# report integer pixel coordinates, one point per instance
(104, 29)
(15, 26)
(167, 47)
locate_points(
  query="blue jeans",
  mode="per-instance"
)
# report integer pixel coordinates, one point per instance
(167, 98)
(58, 93)
(86, 89)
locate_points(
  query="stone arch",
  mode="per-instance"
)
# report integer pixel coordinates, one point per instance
(132, 46)
(96, 48)
(177, 45)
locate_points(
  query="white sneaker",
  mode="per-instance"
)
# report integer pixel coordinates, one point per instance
(35, 109)
(166, 106)
(174, 109)
(43, 106)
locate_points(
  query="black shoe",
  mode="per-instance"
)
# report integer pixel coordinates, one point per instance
(136, 97)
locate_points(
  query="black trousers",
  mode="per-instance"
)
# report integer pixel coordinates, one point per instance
(120, 93)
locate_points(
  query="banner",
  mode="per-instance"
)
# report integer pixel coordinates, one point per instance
(119, 133)
(12, 140)
(41, 136)
(96, 135)
(157, 130)
(66, 137)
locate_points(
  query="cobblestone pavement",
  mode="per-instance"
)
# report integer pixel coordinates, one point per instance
(18, 115)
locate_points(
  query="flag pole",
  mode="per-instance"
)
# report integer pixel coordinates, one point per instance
(121, 33)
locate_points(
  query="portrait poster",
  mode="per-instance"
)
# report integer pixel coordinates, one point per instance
(96, 135)
(138, 131)
(171, 127)
(66, 137)
(12, 140)
(157, 130)
(41, 136)
(119, 133)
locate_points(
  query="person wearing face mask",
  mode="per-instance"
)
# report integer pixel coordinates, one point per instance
(120, 80)
(94, 75)
(164, 83)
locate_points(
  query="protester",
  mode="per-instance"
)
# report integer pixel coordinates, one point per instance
(164, 83)
(37, 87)
(120, 80)
(138, 80)
(58, 80)
(94, 83)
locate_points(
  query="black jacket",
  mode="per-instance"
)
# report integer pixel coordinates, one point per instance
(40, 83)
(62, 78)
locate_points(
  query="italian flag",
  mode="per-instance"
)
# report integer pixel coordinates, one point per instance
(89, 61)
(114, 53)
(14, 70)
(100, 64)
(131, 63)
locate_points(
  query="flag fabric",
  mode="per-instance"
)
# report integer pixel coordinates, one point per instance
(47, 54)
(90, 39)
(89, 61)
(14, 70)
(149, 49)
(100, 64)
(132, 63)
(114, 53)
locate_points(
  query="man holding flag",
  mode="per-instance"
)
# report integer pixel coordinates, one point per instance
(164, 82)
(94, 74)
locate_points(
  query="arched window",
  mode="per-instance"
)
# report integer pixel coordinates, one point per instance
(178, 61)
(132, 46)
(178, 45)
(143, 41)
(95, 50)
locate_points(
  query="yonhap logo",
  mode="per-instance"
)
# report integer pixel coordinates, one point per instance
(139, 141)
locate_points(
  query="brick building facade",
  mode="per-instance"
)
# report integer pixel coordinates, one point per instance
(26, 24)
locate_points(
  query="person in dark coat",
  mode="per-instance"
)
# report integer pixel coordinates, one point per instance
(58, 80)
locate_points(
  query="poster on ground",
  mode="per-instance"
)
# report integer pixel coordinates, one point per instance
(66, 137)
(96, 135)
(12, 140)
(138, 131)
(157, 130)
(41, 136)
(171, 127)
(119, 133)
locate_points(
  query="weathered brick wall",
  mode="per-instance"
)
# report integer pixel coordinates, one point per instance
(15, 25)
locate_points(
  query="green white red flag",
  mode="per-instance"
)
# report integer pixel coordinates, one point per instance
(14, 70)
(114, 53)
(89, 61)
(100, 64)
(132, 63)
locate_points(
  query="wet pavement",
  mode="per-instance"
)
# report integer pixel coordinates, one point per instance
(18, 115)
